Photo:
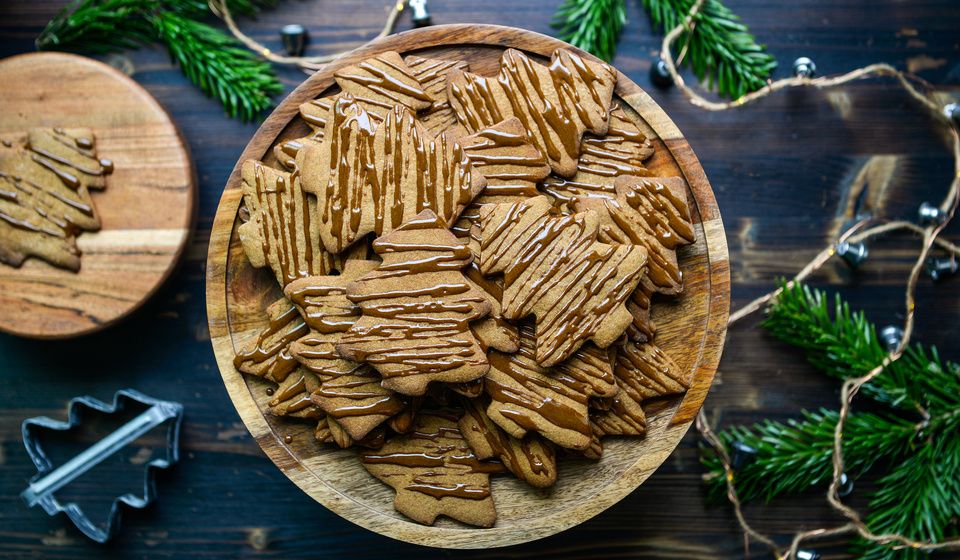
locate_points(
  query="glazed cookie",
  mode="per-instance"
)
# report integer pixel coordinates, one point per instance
(435, 473)
(555, 269)
(347, 391)
(526, 397)
(267, 354)
(622, 151)
(292, 397)
(652, 213)
(645, 372)
(432, 74)
(530, 459)
(371, 180)
(282, 231)
(45, 197)
(556, 104)
(417, 308)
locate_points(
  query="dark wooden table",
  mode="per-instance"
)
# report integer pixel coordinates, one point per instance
(786, 172)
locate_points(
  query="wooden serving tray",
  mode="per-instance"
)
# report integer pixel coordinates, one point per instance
(146, 209)
(691, 329)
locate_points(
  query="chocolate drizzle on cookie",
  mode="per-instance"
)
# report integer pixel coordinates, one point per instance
(45, 201)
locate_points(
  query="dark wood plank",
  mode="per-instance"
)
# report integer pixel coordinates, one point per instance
(779, 170)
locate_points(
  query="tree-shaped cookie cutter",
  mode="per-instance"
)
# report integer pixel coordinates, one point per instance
(48, 479)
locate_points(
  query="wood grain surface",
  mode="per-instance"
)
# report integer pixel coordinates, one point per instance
(146, 209)
(786, 172)
(690, 327)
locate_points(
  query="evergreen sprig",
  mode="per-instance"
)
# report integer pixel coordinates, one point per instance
(592, 25)
(721, 51)
(915, 441)
(213, 60)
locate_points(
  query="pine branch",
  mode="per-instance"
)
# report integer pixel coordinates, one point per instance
(218, 65)
(920, 498)
(213, 60)
(846, 345)
(721, 51)
(592, 25)
(99, 26)
(794, 456)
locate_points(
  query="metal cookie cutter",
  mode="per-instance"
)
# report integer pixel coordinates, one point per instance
(44, 485)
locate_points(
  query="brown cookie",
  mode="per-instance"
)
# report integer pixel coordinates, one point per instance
(645, 371)
(331, 431)
(380, 83)
(555, 104)
(417, 308)
(347, 391)
(555, 269)
(267, 354)
(435, 473)
(652, 213)
(622, 151)
(530, 459)
(292, 397)
(526, 397)
(44, 195)
(511, 164)
(282, 230)
(371, 179)
(385, 81)
(432, 75)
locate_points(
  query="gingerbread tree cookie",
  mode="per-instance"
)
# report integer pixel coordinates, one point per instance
(282, 231)
(556, 104)
(652, 213)
(527, 397)
(371, 179)
(530, 459)
(45, 200)
(645, 372)
(417, 308)
(347, 391)
(622, 151)
(435, 473)
(555, 269)
(267, 354)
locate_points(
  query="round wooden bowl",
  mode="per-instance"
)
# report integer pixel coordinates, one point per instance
(691, 329)
(146, 209)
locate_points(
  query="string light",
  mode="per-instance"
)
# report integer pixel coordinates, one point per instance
(856, 233)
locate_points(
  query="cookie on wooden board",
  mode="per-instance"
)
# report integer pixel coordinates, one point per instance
(622, 151)
(530, 459)
(347, 391)
(432, 74)
(555, 269)
(45, 202)
(526, 397)
(652, 213)
(645, 371)
(292, 396)
(370, 179)
(434, 473)
(556, 104)
(267, 354)
(417, 308)
(282, 230)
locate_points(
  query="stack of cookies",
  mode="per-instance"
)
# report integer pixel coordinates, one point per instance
(467, 264)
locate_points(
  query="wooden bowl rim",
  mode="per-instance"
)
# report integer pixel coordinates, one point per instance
(402, 529)
(189, 172)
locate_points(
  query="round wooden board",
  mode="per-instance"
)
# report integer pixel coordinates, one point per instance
(146, 209)
(691, 328)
